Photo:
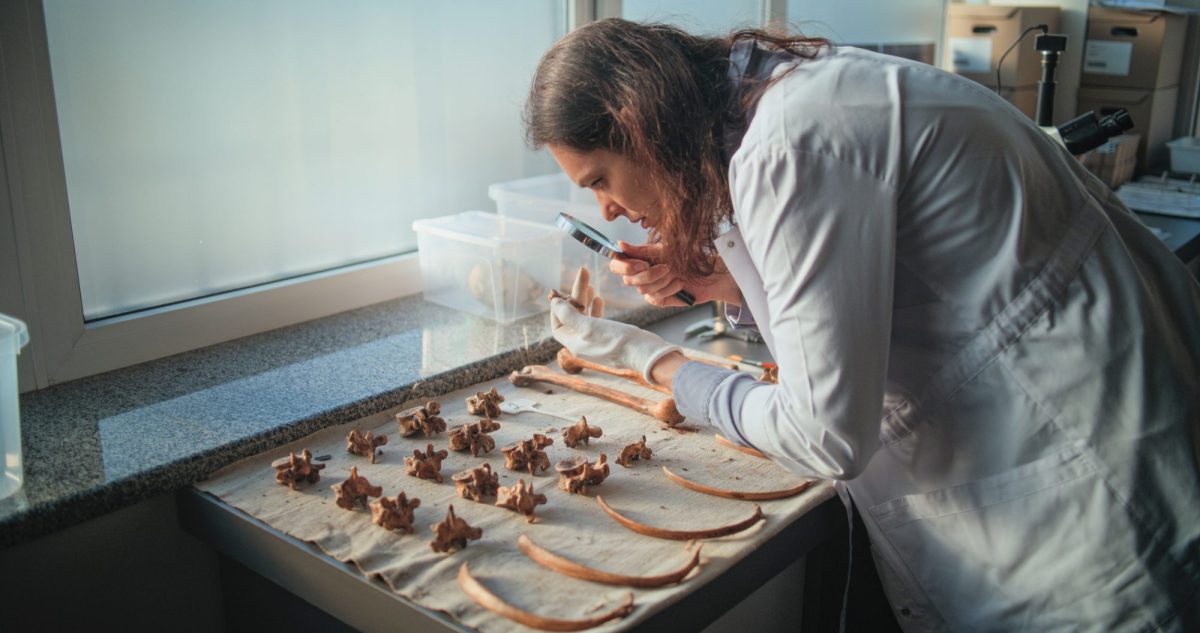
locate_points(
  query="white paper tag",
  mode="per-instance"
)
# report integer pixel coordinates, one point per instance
(1106, 57)
(971, 54)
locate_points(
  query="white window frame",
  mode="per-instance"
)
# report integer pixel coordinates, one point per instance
(39, 278)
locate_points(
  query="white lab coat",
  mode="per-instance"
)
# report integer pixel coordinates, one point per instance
(974, 335)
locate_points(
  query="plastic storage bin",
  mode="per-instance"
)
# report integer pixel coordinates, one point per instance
(540, 199)
(1185, 154)
(13, 336)
(487, 264)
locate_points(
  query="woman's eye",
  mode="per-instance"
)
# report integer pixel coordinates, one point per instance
(596, 183)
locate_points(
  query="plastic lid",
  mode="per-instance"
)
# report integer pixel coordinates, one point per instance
(13, 328)
(483, 227)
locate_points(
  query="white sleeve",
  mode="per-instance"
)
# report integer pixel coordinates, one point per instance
(821, 233)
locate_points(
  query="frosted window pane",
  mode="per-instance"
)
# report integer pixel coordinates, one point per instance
(211, 145)
(709, 17)
(869, 21)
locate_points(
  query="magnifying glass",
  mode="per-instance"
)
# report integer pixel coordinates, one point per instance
(600, 243)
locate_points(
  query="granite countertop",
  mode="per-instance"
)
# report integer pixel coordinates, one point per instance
(101, 443)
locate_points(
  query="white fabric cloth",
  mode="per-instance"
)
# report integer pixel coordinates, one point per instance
(974, 334)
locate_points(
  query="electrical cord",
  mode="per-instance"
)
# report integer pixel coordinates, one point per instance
(1037, 27)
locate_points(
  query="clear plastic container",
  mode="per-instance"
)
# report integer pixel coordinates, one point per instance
(541, 198)
(497, 267)
(13, 336)
(1185, 154)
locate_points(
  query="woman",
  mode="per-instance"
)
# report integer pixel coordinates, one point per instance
(992, 356)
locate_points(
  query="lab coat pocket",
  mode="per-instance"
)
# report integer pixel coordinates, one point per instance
(1042, 535)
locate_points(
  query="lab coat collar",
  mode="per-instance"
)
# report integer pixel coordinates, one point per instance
(748, 65)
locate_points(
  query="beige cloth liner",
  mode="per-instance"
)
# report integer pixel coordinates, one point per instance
(571, 525)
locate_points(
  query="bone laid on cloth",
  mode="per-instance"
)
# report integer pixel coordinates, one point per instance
(550, 560)
(682, 535)
(664, 411)
(414, 573)
(745, 449)
(493, 603)
(766, 495)
(573, 364)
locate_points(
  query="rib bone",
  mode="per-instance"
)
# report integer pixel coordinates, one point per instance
(552, 561)
(682, 535)
(734, 494)
(664, 411)
(493, 603)
(738, 447)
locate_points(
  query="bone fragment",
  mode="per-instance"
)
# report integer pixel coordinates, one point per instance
(579, 289)
(737, 447)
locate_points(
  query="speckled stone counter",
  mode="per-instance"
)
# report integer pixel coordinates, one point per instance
(98, 444)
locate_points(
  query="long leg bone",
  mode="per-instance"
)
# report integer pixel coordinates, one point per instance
(572, 364)
(664, 411)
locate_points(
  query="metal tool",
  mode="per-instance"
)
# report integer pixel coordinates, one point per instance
(521, 405)
(600, 243)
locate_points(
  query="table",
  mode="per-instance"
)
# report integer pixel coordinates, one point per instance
(1183, 234)
(341, 591)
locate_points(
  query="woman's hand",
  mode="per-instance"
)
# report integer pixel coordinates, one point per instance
(611, 343)
(657, 283)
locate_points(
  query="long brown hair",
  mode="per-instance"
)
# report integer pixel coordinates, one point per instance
(663, 98)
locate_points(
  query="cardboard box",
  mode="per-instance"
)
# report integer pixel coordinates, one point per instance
(1024, 97)
(1115, 161)
(1153, 113)
(977, 35)
(1133, 49)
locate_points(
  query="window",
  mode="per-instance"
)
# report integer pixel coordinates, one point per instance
(911, 29)
(181, 173)
(212, 146)
(698, 16)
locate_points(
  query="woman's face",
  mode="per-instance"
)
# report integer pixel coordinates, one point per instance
(620, 187)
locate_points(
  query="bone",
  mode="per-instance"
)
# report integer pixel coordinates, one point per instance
(737, 447)
(579, 290)
(490, 601)
(682, 535)
(598, 307)
(573, 364)
(664, 411)
(562, 565)
(763, 495)
(554, 294)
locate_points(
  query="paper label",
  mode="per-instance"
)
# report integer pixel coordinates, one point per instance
(1105, 57)
(971, 54)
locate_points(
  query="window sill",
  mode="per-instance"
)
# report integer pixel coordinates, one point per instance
(102, 443)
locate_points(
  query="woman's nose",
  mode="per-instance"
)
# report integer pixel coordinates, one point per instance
(608, 207)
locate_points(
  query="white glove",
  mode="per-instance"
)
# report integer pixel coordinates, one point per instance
(611, 343)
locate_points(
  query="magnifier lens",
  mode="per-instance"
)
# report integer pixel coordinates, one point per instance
(600, 243)
(588, 236)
